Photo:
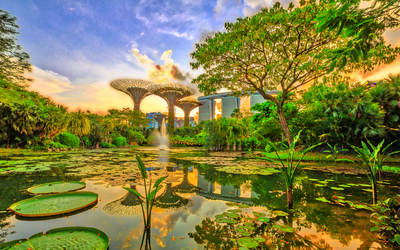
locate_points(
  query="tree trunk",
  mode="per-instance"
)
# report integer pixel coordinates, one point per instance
(284, 125)
(97, 144)
(290, 197)
(234, 146)
(374, 195)
(240, 146)
(171, 119)
(8, 141)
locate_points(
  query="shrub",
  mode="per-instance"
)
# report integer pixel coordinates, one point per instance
(56, 145)
(134, 137)
(68, 140)
(86, 141)
(119, 141)
(107, 145)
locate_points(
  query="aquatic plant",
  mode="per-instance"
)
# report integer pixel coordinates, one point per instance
(334, 153)
(150, 196)
(387, 223)
(374, 160)
(288, 170)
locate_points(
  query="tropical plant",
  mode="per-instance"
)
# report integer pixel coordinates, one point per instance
(335, 152)
(119, 141)
(373, 159)
(68, 139)
(79, 124)
(150, 196)
(289, 169)
(386, 219)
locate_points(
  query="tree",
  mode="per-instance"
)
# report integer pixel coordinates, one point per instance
(276, 48)
(364, 25)
(13, 61)
(79, 124)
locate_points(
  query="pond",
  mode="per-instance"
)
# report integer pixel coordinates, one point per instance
(200, 188)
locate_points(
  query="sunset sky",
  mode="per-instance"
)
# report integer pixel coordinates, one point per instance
(78, 47)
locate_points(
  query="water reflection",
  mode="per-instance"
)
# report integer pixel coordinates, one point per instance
(129, 204)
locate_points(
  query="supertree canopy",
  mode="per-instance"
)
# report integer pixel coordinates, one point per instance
(137, 89)
(187, 105)
(172, 92)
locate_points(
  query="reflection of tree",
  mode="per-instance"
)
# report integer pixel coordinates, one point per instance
(224, 179)
(127, 205)
(5, 227)
(185, 186)
(169, 200)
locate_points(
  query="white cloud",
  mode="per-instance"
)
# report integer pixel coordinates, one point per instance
(142, 34)
(254, 6)
(176, 33)
(49, 83)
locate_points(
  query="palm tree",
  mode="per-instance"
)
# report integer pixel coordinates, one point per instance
(79, 123)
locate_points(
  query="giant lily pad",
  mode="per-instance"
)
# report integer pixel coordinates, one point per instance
(62, 238)
(57, 187)
(54, 204)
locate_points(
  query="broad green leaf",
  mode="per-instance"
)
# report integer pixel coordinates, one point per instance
(133, 192)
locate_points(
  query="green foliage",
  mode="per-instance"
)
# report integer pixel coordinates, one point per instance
(335, 152)
(373, 159)
(288, 170)
(107, 145)
(133, 137)
(68, 139)
(150, 193)
(119, 141)
(13, 61)
(386, 221)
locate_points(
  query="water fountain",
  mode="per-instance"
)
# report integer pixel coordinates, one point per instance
(161, 139)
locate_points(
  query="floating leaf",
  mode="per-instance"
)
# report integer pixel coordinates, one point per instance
(263, 219)
(83, 238)
(322, 199)
(344, 185)
(285, 228)
(54, 204)
(57, 187)
(337, 188)
(280, 213)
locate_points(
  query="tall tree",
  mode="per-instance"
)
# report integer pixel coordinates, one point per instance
(276, 49)
(13, 61)
(79, 123)
(365, 25)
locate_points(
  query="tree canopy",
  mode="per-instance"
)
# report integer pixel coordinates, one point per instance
(13, 61)
(277, 48)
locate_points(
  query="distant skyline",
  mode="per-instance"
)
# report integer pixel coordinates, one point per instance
(78, 47)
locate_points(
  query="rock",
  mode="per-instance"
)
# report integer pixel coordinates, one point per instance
(69, 148)
(49, 150)
(57, 150)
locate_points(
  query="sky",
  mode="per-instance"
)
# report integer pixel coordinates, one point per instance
(77, 47)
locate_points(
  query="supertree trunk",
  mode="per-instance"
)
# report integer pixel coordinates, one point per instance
(171, 119)
(186, 124)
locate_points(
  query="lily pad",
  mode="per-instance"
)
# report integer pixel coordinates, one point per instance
(367, 190)
(336, 188)
(57, 187)
(83, 238)
(344, 185)
(280, 213)
(285, 228)
(263, 219)
(322, 199)
(365, 185)
(54, 204)
(313, 179)
(320, 185)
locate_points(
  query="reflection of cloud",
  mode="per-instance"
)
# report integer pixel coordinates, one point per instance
(198, 203)
(133, 235)
(166, 223)
(49, 83)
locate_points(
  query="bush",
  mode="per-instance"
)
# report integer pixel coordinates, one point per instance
(68, 140)
(251, 143)
(86, 141)
(134, 137)
(107, 145)
(56, 145)
(119, 141)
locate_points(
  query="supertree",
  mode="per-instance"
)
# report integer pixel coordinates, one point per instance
(187, 105)
(137, 89)
(172, 92)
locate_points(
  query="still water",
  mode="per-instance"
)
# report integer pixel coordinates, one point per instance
(194, 193)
